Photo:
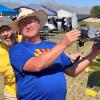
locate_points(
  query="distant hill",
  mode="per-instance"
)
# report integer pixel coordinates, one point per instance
(55, 6)
(80, 11)
(11, 4)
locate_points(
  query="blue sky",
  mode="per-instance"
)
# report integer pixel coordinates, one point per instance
(77, 3)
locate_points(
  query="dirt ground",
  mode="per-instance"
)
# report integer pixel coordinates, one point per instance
(77, 87)
(92, 20)
(1, 87)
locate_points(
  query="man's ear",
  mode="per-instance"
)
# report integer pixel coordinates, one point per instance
(13, 30)
(39, 26)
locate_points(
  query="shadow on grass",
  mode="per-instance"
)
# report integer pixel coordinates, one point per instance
(94, 79)
(98, 59)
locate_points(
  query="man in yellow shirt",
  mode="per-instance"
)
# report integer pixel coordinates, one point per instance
(8, 38)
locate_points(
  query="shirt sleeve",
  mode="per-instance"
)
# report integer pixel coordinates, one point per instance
(66, 61)
(18, 57)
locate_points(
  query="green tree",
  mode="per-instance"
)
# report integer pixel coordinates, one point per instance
(95, 11)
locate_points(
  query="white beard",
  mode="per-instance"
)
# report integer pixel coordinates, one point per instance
(9, 43)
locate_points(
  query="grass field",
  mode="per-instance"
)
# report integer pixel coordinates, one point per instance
(76, 86)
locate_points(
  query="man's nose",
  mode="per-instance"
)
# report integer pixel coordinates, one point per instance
(28, 25)
(5, 32)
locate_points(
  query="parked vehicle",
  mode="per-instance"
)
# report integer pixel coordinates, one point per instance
(50, 26)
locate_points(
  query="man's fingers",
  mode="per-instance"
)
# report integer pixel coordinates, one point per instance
(73, 33)
(73, 37)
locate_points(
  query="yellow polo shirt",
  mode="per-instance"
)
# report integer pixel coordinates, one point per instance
(7, 71)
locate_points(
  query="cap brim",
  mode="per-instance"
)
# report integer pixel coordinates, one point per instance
(41, 15)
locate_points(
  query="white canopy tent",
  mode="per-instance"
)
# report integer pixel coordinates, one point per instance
(63, 13)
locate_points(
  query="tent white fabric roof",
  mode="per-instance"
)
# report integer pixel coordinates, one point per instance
(63, 13)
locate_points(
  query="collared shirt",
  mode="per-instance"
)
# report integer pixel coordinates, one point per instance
(7, 71)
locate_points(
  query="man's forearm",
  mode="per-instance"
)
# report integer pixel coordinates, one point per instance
(79, 66)
(43, 61)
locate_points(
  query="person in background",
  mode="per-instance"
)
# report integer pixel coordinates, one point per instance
(39, 66)
(8, 38)
(13, 18)
(64, 24)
